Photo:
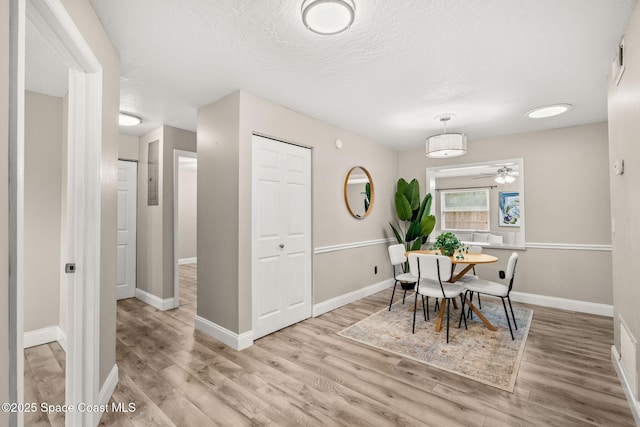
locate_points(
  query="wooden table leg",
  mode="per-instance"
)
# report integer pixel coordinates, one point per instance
(441, 315)
(478, 313)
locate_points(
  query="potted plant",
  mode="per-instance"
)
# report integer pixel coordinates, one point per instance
(447, 243)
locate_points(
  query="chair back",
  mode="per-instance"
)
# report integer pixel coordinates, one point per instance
(511, 268)
(397, 254)
(435, 268)
(475, 249)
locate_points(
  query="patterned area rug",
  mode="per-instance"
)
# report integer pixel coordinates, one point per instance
(490, 357)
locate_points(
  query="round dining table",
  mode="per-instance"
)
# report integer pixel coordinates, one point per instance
(470, 260)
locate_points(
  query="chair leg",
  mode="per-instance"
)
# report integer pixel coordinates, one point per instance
(427, 308)
(446, 301)
(415, 305)
(479, 302)
(512, 315)
(404, 296)
(392, 294)
(424, 307)
(469, 312)
(462, 316)
(506, 313)
(436, 307)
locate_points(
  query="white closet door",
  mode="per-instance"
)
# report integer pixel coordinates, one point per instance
(281, 263)
(126, 246)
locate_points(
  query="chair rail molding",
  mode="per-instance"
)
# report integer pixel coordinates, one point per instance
(353, 245)
(570, 246)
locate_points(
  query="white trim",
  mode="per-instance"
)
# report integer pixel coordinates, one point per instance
(183, 261)
(350, 297)
(45, 336)
(626, 385)
(564, 303)
(17, 25)
(569, 246)
(106, 391)
(176, 228)
(154, 301)
(233, 340)
(345, 246)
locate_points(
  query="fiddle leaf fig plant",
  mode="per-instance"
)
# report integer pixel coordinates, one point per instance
(415, 221)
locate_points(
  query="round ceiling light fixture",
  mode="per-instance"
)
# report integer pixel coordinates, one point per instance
(126, 119)
(548, 111)
(328, 17)
(446, 144)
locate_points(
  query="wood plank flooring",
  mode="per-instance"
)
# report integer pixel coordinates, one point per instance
(308, 375)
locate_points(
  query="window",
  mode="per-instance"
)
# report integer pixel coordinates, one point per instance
(465, 209)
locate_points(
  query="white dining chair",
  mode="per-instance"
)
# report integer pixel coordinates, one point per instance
(398, 261)
(475, 249)
(500, 290)
(433, 271)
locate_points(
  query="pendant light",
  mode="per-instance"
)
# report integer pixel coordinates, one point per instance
(446, 144)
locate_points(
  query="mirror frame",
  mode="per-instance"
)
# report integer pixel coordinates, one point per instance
(373, 192)
(431, 185)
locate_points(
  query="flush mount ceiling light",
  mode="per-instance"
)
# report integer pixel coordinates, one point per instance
(328, 16)
(126, 119)
(548, 111)
(506, 175)
(446, 144)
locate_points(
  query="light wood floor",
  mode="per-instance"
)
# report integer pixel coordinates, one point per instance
(308, 375)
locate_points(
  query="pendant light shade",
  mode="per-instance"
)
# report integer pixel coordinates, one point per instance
(446, 144)
(328, 16)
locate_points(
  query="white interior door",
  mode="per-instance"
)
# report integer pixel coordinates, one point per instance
(281, 264)
(126, 249)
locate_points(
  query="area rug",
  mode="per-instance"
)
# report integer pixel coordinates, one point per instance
(489, 357)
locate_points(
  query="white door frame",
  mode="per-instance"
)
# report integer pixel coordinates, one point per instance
(176, 225)
(83, 203)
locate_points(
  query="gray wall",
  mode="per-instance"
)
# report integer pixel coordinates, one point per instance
(4, 209)
(42, 209)
(128, 147)
(155, 223)
(566, 201)
(624, 133)
(187, 212)
(224, 204)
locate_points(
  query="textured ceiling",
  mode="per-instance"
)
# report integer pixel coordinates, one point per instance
(401, 64)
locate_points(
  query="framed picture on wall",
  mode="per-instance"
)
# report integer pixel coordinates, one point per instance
(509, 204)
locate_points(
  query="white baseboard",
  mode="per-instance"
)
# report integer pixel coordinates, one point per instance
(337, 302)
(105, 392)
(45, 336)
(193, 260)
(564, 303)
(626, 385)
(233, 340)
(159, 303)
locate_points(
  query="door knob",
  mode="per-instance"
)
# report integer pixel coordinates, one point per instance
(281, 246)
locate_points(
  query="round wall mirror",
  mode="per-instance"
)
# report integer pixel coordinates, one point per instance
(359, 193)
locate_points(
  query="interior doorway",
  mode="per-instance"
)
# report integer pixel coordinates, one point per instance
(81, 226)
(185, 229)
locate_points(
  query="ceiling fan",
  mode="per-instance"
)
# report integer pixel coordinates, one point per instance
(504, 175)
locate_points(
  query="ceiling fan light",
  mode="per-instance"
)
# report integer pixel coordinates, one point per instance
(509, 179)
(328, 17)
(446, 145)
(500, 179)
